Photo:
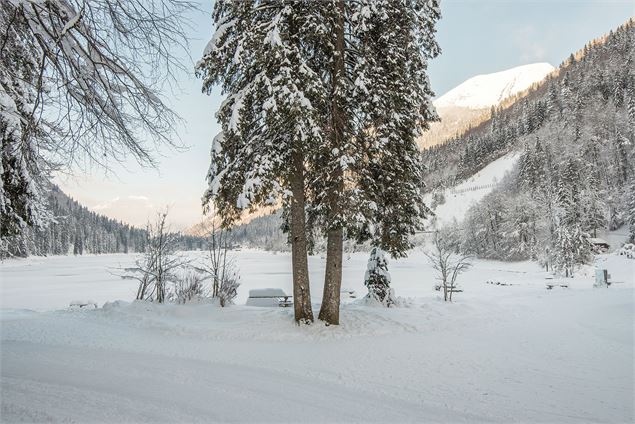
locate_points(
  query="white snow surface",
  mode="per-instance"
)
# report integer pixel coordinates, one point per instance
(483, 91)
(268, 292)
(516, 353)
(461, 197)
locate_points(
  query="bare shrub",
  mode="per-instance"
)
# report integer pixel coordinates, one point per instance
(158, 268)
(220, 267)
(228, 289)
(447, 261)
(189, 286)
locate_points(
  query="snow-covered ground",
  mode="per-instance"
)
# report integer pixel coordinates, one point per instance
(498, 353)
(461, 197)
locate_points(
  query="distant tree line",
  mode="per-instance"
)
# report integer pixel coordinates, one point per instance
(75, 230)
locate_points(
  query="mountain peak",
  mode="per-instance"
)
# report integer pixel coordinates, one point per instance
(483, 91)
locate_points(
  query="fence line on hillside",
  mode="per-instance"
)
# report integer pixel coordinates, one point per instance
(472, 188)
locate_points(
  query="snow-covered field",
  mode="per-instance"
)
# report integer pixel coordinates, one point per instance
(498, 353)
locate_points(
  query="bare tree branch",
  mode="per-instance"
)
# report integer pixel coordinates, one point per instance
(447, 261)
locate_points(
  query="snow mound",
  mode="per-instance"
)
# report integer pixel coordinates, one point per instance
(245, 323)
(483, 91)
(627, 250)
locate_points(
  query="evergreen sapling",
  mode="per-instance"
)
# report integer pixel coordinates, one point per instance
(377, 279)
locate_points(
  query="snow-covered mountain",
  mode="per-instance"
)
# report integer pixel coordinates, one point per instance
(484, 91)
(469, 103)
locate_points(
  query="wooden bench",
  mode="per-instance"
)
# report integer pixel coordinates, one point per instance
(498, 283)
(269, 298)
(81, 304)
(450, 289)
(551, 286)
(283, 301)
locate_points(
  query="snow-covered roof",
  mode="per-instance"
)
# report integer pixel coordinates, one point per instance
(597, 240)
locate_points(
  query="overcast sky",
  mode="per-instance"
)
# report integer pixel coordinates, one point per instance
(476, 37)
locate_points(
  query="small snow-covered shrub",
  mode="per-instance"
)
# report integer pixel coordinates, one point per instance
(627, 250)
(377, 279)
(220, 267)
(438, 198)
(189, 286)
(228, 289)
(157, 270)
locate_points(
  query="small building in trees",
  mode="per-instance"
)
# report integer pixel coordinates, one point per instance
(599, 245)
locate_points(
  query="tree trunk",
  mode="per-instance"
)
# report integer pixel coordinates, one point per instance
(330, 309)
(299, 260)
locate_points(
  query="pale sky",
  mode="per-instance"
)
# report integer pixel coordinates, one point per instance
(476, 37)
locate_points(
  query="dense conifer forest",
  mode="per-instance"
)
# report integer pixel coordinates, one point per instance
(575, 175)
(76, 230)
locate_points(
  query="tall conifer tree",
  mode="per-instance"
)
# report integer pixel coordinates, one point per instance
(259, 55)
(380, 103)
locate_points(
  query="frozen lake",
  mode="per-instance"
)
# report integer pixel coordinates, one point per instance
(52, 282)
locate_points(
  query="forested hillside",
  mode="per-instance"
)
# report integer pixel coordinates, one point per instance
(263, 232)
(575, 177)
(76, 230)
(599, 75)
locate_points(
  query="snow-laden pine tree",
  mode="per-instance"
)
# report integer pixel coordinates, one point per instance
(22, 168)
(333, 186)
(570, 247)
(531, 166)
(630, 209)
(380, 102)
(377, 279)
(593, 213)
(553, 100)
(630, 105)
(392, 90)
(271, 117)
(570, 243)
